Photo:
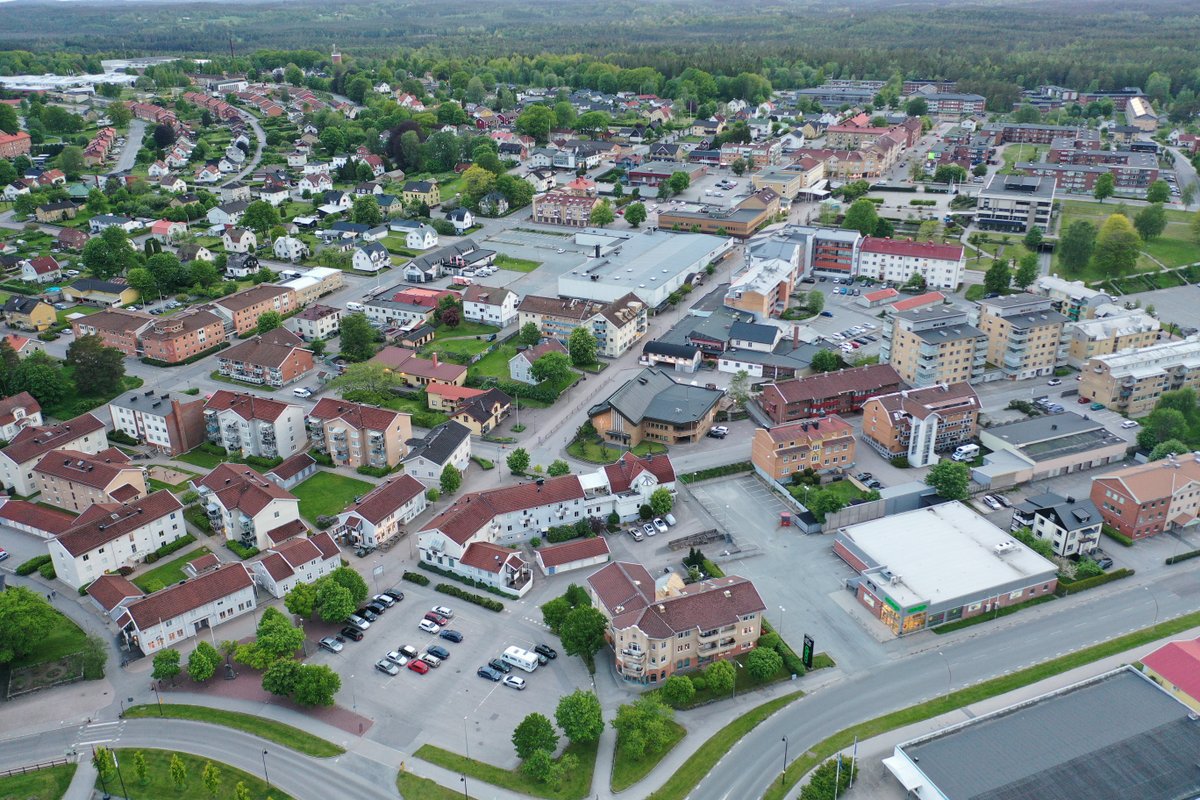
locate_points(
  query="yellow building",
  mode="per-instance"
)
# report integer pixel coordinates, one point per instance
(426, 192)
(28, 313)
(1100, 337)
(934, 345)
(75, 481)
(1131, 381)
(1025, 335)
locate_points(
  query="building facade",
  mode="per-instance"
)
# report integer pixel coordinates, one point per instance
(1102, 336)
(382, 514)
(356, 435)
(921, 423)
(1131, 381)
(1025, 335)
(75, 481)
(84, 433)
(842, 392)
(934, 344)
(825, 445)
(170, 425)
(896, 261)
(1148, 499)
(250, 425)
(183, 336)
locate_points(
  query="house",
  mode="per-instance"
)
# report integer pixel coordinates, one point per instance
(116, 328)
(359, 435)
(449, 444)
(43, 269)
(239, 240)
(252, 425)
(275, 358)
(17, 412)
(195, 252)
(183, 337)
(55, 212)
(23, 346)
(235, 191)
(921, 423)
(72, 239)
(172, 615)
(105, 294)
(481, 414)
(1072, 527)
(824, 445)
(314, 183)
(298, 560)
(1175, 666)
(162, 421)
(294, 471)
(462, 219)
(242, 309)
(658, 628)
(274, 193)
(555, 559)
(244, 506)
(318, 322)
(172, 183)
(421, 192)
(166, 231)
(489, 305)
(381, 515)
(109, 536)
(449, 398)
(1149, 499)
(416, 371)
(28, 313)
(289, 248)
(100, 222)
(842, 392)
(74, 481)
(651, 405)
(241, 265)
(417, 235)
(542, 180)
(371, 257)
(493, 204)
(520, 366)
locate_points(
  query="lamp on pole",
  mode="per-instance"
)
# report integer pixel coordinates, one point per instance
(120, 777)
(467, 749)
(782, 611)
(158, 696)
(266, 777)
(1155, 599)
(100, 773)
(783, 774)
(949, 674)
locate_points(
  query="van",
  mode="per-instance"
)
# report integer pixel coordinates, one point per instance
(354, 306)
(965, 452)
(522, 659)
(300, 391)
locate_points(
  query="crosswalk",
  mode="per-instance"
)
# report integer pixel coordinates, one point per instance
(92, 734)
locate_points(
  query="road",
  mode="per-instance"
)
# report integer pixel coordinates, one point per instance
(1185, 174)
(261, 139)
(133, 143)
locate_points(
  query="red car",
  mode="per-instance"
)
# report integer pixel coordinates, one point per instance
(437, 619)
(417, 665)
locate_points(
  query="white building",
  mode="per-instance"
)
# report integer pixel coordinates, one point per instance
(417, 235)
(18, 412)
(382, 514)
(109, 536)
(244, 506)
(489, 305)
(896, 260)
(85, 433)
(318, 322)
(299, 560)
(239, 240)
(520, 366)
(191, 608)
(170, 425)
(289, 248)
(371, 257)
(254, 426)
(447, 444)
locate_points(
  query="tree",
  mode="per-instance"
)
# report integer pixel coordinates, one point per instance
(357, 337)
(268, 321)
(558, 468)
(367, 381)
(950, 479)
(166, 666)
(861, 216)
(815, 300)
(592, 122)
(477, 182)
(1158, 192)
(679, 181)
(720, 677)
(738, 167)
(1104, 187)
(316, 685)
(602, 214)
(9, 123)
(1027, 271)
(70, 161)
(280, 677)
(260, 216)
(580, 717)
(42, 377)
(581, 344)
(822, 503)
(25, 616)
(763, 663)
(998, 277)
(554, 612)
(518, 461)
(739, 387)
(929, 230)
(108, 254)
(635, 214)
(536, 121)
(678, 691)
(1169, 447)
(949, 173)
(577, 596)
(366, 211)
(826, 361)
(178, 772)
(450, 479)
(661, 501)
(1076, 245)
(212, 778)
(1163, 425)
(139, 766)
(352, 581)
(1033, 238)
(916, 107)
(582, 632)
(301, 600)
(97, 367)
(332, 601)
(242, 792)
(553, 366)
(1117, 246)
(1150, 221)
(529, 334)
(275, 639)
(203, 662)
(539, 765)
(534, 733)
(643, 726)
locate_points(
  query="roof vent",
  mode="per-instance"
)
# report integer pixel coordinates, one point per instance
(728, 595)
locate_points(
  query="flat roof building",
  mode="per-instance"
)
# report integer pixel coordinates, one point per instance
(933, 344)
(1046, 446)
(1015, 203)
(1131, 381)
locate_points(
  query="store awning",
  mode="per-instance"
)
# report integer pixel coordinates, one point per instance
(908, 775)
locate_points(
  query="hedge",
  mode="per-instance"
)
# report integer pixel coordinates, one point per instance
(324, 459)
(374, 472)
(47, 571)
(121, 437)
(170, 547)
(196, 516)
(1116, 535)
(32, 565)
(1075, 587)
(415, 577)
(454, 576)
(241, 551)
(154, 362)
(470, 597)
(717, 472)
(1183, 556)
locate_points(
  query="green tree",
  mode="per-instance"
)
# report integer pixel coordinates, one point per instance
(678, 691)
(861, 216)
(275, 639)
(554, 612)
(1076, 245)
(1158, 192)
(280, 678)
(558, 468)
(1027, 271)
(1033, 238)
(539, 765)
(1169, 447)
(929, 230)
(1150, 221)
(998, 277)
(301, 600)
(43, 377)
(269, 321)
(582, 632)
(1117, 246)
(534, 733)
(212, 778)
(577, 596)
(661, 501)
(602, 214)
(951, 479)
(529, 335)
(916, 107)
(679, 181)
(536, 121)
(333, 140)
(9, 123)
(242, 792)
(1104, 187)
(139, 766)
(316, 685)
(178, 772)
(166, 666)
(635, 214)
(25, 616)
(357, 337)
(553, 366)
(739, 387)
(822, 502)
(815, 300)
(477, 182)
(826, 361)
(518, 461)
(581, 345)
(763, 664)
(720, 677)
(352, 581)
(169, 274)
(643, 727)
(738, 167)
(580, 717)
(373, 382)
(260, 216)
(98, 368)
(1028, 114)
(203, 662)
(366, 211)
(451, 479)
(109, 254)
(70, 161)
(949, 173)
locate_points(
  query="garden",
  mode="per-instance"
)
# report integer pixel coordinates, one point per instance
(327, 494)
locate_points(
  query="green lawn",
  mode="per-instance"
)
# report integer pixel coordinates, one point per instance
(64, 639)
(199, 458)
(262, 727)
(846, 490)
(1176, 251)
(410, 785)
(494, 364)
(168, 573)
(598, 453)
(575, 786)
(45, 784)
(628, 771)
(81, 403)
(422, 417)
(464, 328)
(1022, 152)
(328, 493)
(62, 316)
(466, 346)
(516, 264)
(1174, 248)
(156, 484)
(159, 784)
(396, 244)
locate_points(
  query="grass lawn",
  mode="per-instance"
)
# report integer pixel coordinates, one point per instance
(62, 316)
(45, 784)
(466, 346)
(1173, 248)
(64, 639)
(598, 453)
(268, 729)
(1022, 152)
(688, 776)
(411, 785)
(396, 244)
(422, 417)
(628, 771)
(81, 403)
(1175, 251)
(575, 786)
(199, 458)
(167, 574)
(159, 784)
(464, 328)
(327, 493)
(494, 364)
(516, 264)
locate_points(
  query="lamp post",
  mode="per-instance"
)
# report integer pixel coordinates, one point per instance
(158, 696)
(782, 611)
(467, 749)
(1155, 599)
(120, 777)
(949, 674)
(100, 773)
(266, 777)
(783, 774)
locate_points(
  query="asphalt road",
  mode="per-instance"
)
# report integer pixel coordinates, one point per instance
(133, 143)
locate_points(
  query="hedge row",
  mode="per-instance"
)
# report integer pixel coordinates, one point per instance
(415, 577)
(241, 551)
(374, 472)
(1075, 587)
(1116, 535)
(32, 565)
(454, 576)
(170, 547)
(470, 597)
(1183, 556)
(717, 472)
(47, 571)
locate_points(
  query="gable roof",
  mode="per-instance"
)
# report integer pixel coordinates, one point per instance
(97, 471)
(240, 487)
(490, 557)
(555, 555)
(472, 511)
(112, 590)
(293, 466)
(105, 522)
(355, 415)
(36, 441)
(183, 597)
(270, 349)
(22, 512)
(1179, 664)
(653, 394)
(532, 354)
(830, 384)
(628, 467)
(440, 443)
(386, 498)
(247, 406)
(21, 400)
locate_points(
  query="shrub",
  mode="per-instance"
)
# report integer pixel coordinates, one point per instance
(32, 565)
(324, 459)
(264, 463)
(325, 520)
(121, 437)
(241, 551)
(415, 577)
(1183, 556)
(454, 576)
(1116, 535)
(171, 547)
(196, 516)
(535, 542)
(900, 462)
(374, 472)
(699, 682)
(47, 571)
(1075, 587)
(462, 594)
(483, 462)
(717, 472)
(433, 494)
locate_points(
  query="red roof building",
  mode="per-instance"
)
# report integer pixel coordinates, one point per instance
(1176, 667)
(172, 615)
(566, 556)
(842, 392)
(920, 301)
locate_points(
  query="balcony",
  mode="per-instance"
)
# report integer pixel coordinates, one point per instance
(268, 433)
(633, 656)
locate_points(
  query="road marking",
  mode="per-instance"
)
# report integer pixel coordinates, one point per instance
(102, 724)
(95, 741)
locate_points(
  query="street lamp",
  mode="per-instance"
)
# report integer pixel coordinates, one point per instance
(154, 686)
(949, 674)
(782, 611)
(266, 777)
(100, 773)
(120, 777)
(1155, 599)
(467, 748)
(783, 774)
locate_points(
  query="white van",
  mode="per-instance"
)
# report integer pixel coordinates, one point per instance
(300, 391)
(523, 659)
(354, 306)
(965, 452)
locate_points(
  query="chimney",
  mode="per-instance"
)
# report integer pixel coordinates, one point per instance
(795, 336)
(435, 359)
(597, 251)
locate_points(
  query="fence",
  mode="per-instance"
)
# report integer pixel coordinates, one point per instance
(25, 770)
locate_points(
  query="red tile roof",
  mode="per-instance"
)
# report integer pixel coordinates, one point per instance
(472, 511)
(386, 498)
(245, 405)
(237, 486)
(22, 512)
(354, 414)
(105, 522)
(811, 430)
(401, 359)
(204, 563)
(191, 594)
(271, 349)
(293, 466)
(920, 300)
(621, 474)
(21, 400)
(882, 294)
(532, 354)
(35, 442)
(326, 545)
(907, 247)
(287, 531)
(489, 557)
(831, 384)
(556, 555)
(622, 586)
(96, 471)
(123, 494)
(111, 590)
(1179, 664)
(453, 392)
(277, 567)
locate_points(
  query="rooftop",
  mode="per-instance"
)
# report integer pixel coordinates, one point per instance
(1162, 478)
(644, 259)
(34, 442)
(1054, 435)
(654, 394)
(270, 349)
(1146, 361)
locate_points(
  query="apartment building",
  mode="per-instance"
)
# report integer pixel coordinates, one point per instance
(356, 435)
(1071, 526)
(934, 344)
(383, 513)
(763, 288)
(490, 305)
(245, 507)
(921, 423)
(163, 421)
(842, 392)
(17, 412)
(189, 609)
(1148, 499)
(659, 628)
(303, 559)
(318, 322)
(564, 208)
(760, 154)
(74, 481)
(789, 180)
(1132, 175)
(1025, 335)
(1015, 203)
(824, 444)
(116, 328)
(1075, 300)
(183, 336)
(1131, 381)
(897, 260)
(651, 405)
(108, 536)
(241, 310)
(276, 358)
(1126, 330)
(616, 325)
(833, 252)
(84, 433)
(250, 425)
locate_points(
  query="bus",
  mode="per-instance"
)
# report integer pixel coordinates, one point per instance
(522, 659)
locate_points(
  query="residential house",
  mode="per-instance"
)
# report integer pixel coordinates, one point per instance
(1072, 527)
(462, 219)
(235, 191)
(28, 313)
(1175, 666)
(555, 559)
(116, 328)
(239, 240)
(842, 392)
(417, 235)
(482, 413)
(72, 239)
(357, 435)
(275, 358)
(371, 257)
(43, 269)
(652, 406)
(162, 421)
(520, 366)
(241, 310)
(564, 208)
(252, 425)
(1149, 499)
(382, 514)
(821, 444)
(921, 423)
(489, 305)
(318, 322)
(55, 212)
(426, 192)
(493, 204)
(897, 261)
(416, 371)
(245, 507)
(193, 252)
(447, 398)
(74, 481)
(172, 184)
(449, 444)
(185, 336)
(241, 265)
(17, 412)
(298, 560)
(289, 248)
(166, 231)
(23, 346)
(227, 213)
(542, 180)
(100, 222)
(105, 294)
(177, 613)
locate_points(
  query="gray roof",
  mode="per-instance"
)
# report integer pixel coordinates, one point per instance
(1116, 737)
(658, 348)
(753, 332)
(440, 443)
(653, 394)
(949, 333)
(1055, 435)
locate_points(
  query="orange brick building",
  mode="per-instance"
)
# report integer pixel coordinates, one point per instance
(116, 328)
(245, 307)
(821, 444)
(178, 338)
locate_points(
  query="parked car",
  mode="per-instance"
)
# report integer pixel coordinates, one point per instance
(1054, 382)
(352, 633)
(439, 651)
(383, 665)
(499, 666)
(659, 525)
(636, 534)
(396, 657)
(431, 659)
(513, 682)
(864, 476)
(366, 613)
(436, 619)
(1002, 500)
(1096, 406)
(451, 636)
(376, 608)
(1129, 423)
(545, 650)
(358, 622)
(383, 600)
(331, 644)
(718, 432)
(1104, 562)
(3, 554)
(418, 666)
(442, 611)
(428, 626)
(991, 502)
(409, 651)
(395, 595)
(649, 529)
(489, 673)
(826, 313)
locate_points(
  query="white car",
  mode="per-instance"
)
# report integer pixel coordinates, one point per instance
(429, 627)
(991, 502)
(513, 682)
(1054, 382)
(659, 525)
(302, 392)
(1129, 423)
(396, 657)
(443, 611)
